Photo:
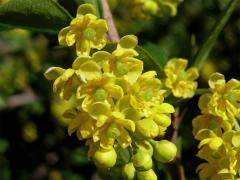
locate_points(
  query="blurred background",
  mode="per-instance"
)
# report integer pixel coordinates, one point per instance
(34, 143)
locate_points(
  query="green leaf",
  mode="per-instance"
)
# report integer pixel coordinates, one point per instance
(157, 53)
(37, 15)
(204, 51)
(149, 62)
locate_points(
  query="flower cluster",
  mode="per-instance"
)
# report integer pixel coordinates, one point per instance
(118, 109)
(143, 9)
(217, 129)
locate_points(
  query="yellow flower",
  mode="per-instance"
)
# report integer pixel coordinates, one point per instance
(180, 82)
(146, 96)
(83, 124)
(223, 166)
(86, 31)
(64, 81)
(207, 136)
(86, 68)
(115, 129)
(122, 62)
(224, 99)
(100, 91)
(214, 123)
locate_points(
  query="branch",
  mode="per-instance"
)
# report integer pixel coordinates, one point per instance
(22, 99)
(175, 168)
(107, 15)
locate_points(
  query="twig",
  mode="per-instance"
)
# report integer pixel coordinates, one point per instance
(177, 120)
(22, 99)
(107, 15)
(175, 168)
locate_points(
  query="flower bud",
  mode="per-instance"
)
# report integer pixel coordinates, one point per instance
(146, 147)
(146, 175)
(150, 7)
(164, 151)
(123, 155)
(105, 158)
(142, 161)
(147, 128)
(128, 42)
(128, 171)
(162, 120)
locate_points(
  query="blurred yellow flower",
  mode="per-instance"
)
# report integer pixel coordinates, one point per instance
(30, 132)
(224, 99)
(214, 123)
(144, 9)
(86, 31)
(180, 81)
(3, 1)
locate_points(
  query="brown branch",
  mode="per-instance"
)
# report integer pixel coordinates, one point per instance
(112, 30)
(22, 99)
(175, 168)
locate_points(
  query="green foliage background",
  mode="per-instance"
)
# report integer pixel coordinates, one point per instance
(33, 139)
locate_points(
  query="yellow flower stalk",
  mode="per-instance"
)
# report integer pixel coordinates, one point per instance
(224, 99)
(179, 80)
(86, 31)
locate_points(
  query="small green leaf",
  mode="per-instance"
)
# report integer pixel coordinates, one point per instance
(149, 62)
(42, 16)
(157, 53)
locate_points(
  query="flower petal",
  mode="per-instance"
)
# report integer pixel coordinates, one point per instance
(62, 36)
(215, 80)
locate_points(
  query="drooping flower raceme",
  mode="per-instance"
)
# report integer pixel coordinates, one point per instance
(86, 31)
(180, 81)
(118, 109)
(116, 104)
(217, 131)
